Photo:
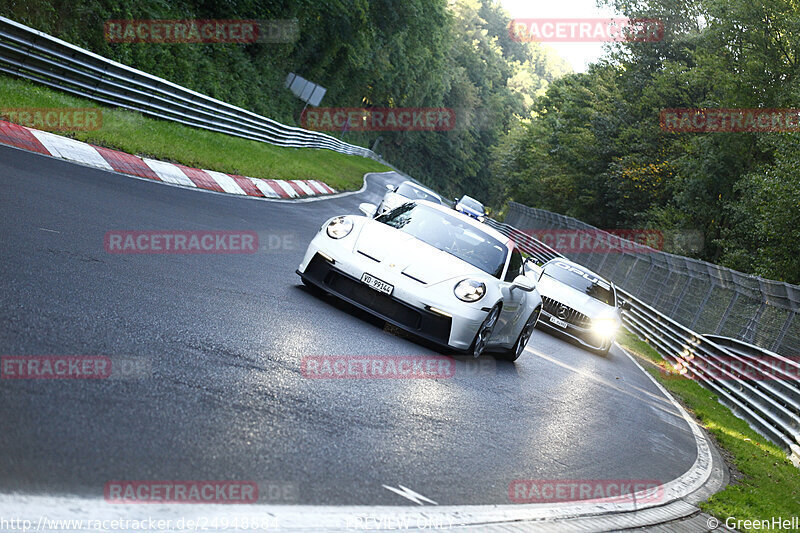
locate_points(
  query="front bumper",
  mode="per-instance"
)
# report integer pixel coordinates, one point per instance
(584, 336)
(406, 308)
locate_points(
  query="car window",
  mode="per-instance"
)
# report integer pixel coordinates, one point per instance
(585, 282)
(415, 193)
(472, 204)
(514, 266)
(449, 234)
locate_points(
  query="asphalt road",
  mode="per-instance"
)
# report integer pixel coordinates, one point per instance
(217, 340)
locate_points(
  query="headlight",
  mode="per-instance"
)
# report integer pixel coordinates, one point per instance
(469, 290)
(339, 227)
(605, 327)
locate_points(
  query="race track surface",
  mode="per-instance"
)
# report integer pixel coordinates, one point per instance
(219, 339)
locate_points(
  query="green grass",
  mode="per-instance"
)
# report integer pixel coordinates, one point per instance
(160, 139)
(767, 484)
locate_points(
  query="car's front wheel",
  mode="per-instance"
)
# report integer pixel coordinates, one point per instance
(485, 332)
(524, 336)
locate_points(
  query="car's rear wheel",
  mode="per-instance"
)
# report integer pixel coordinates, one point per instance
(524, 336)
(485, 332)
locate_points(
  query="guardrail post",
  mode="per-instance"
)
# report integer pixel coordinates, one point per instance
(702, 305)
(748, 333)
(778, 341)
(646, 275)
(680, 296)
(727, 313)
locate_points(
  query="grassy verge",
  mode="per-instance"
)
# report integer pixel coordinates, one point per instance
(764, 482)
(159, 139)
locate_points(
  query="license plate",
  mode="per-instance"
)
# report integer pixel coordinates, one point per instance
(375, 283)
(558, 322)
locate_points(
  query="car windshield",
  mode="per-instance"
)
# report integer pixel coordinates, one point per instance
(415, 193)
(472, 204)
(451, 235)
(585, 282)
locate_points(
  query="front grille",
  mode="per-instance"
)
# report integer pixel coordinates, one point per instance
(373, 299)
(573, 317)
(419, 321)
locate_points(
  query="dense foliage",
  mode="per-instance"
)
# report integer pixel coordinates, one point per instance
(367, 53)
(595, 149)
(588, 145)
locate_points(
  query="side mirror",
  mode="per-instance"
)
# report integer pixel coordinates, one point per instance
(390, 187)
(523, 283)
(625, 305)
(368, 209)
(534, 268)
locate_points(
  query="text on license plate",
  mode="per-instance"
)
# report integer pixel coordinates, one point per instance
(375, 283)
(558, 322)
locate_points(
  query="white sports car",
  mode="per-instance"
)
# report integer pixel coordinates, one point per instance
(431, 271)
(578, 303)
(408, 190)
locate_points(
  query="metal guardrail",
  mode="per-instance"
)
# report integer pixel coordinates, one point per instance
(759, 386)
(44, 59)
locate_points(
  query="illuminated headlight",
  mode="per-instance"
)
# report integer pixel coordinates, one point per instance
(469, 290)
(606, 327)
(339, 227)
(481, 219)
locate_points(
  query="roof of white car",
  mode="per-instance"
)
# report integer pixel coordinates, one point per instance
(580, 267)
(469, 220)
(422, 188)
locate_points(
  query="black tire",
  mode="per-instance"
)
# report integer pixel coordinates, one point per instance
(485, 332)
(524, 336)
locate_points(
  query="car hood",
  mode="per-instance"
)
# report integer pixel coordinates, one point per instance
(402, 252)
(575, 299)
(394, 200)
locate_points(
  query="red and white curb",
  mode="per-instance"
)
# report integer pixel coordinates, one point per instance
(112, 160)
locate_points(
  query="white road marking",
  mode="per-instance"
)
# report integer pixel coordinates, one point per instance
(288, 188)
(324, 187)
(265, 188)
(409, 494)
(67, 148)
(315, 187)
(305, 188)
(226, 182)
(169, 173)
